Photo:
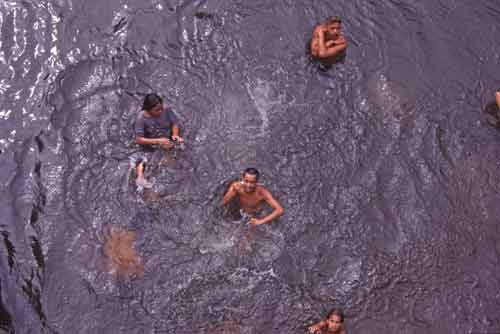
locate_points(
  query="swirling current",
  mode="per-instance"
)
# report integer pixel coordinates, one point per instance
(385, 164)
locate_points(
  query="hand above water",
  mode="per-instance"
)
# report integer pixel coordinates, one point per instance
(177, 139)
(237, 186)
(165, 143)
(255, 222)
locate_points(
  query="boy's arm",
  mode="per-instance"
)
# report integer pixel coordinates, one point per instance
(332, 51)
(230, 194)
(278, 209)
(152, 141)
(497, 95)
(175, 133)
(314, 41)
(322, 49)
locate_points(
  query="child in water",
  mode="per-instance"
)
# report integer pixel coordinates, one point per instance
(333, 324)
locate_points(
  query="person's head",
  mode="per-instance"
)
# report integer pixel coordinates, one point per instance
(250, 178)
(153, 104)
(334, 320)
(334, 25)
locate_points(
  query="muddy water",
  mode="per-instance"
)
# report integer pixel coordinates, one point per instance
(385, 165)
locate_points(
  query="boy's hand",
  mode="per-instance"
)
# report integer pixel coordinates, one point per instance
(237, 186)
(165, 143)
(177, 139)
(255, 222)
(314, 329)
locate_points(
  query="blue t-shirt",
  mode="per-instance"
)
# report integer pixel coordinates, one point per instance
(155, 127)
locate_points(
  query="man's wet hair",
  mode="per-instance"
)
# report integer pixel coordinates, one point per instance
(336, 312)
(252, 171)
(334, 19)
(150, 101)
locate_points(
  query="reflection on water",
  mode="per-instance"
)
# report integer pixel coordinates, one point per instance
(385, 164)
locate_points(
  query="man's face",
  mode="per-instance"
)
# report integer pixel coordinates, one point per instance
(249, 183)
(334, 29)
(156, 110)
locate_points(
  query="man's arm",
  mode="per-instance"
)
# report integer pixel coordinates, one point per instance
(278, 209)
(175, 130)
(314, 41)
(498, 98)
(175, 133)
(330, 51)
(230, 194)
(163, 142)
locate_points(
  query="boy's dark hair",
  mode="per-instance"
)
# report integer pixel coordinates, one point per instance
(252, 171)
(150, 101)
(334, 19)
(336, 312)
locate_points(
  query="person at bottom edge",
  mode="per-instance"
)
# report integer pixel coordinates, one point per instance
(154, 126)
(333, 324)
(251, 195)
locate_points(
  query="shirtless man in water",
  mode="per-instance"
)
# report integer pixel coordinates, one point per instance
(327, 42)
(251, 195)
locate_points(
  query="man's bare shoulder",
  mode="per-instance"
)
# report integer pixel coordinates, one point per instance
(262, 191)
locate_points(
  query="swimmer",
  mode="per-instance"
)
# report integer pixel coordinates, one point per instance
(251, 195)
(333, 324)
(154, 125)
(327, 42)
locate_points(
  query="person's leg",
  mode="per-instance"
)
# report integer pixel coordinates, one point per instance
(140, 180)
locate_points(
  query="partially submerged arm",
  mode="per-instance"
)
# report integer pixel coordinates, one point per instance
(497, 95)
(278, 209)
